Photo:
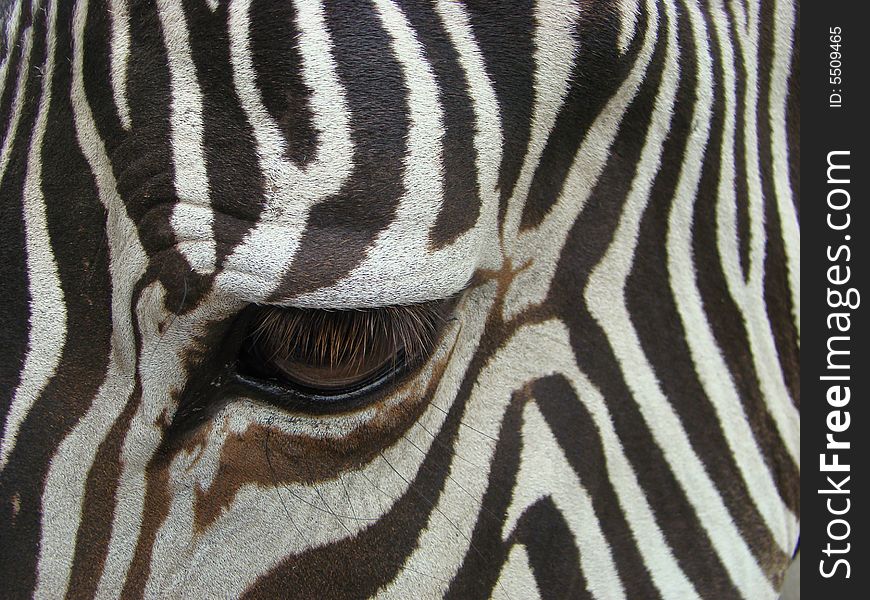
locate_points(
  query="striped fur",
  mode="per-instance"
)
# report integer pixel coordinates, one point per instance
(608, 188)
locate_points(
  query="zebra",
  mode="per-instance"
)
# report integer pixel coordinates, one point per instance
(399, 299)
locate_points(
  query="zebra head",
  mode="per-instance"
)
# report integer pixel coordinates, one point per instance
(425, 299)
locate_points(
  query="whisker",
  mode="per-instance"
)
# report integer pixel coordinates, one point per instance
(347, 494)
(448, 448)
(464, 424)
(330, 512)
(329, 508)
(491, 514)
(274, 477)
(441, 512)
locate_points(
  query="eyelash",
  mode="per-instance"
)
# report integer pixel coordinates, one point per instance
(334, 337)
(408, 334)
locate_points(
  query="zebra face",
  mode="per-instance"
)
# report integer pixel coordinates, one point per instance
(436, 299)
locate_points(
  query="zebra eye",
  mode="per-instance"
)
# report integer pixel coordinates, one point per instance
(322, 375)
(334, 359)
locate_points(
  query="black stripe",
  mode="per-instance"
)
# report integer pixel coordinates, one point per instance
(545, 534)
(98, 506)
(234, 174)
(19, 494)
(278, 67)
(341, 229)
(15, 294)
(777, 294)
(541, 527)
(793, 114)
(95, 71)
(587, 242)
(14, 56)
(597, 73)
(75, 220)
(741, 190)
(657, 321)
(505, 37)
(580, 440)
(461, 189)
(101, 486)
(726, 321)
(142, 162)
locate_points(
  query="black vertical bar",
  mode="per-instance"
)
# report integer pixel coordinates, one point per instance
(834, 222)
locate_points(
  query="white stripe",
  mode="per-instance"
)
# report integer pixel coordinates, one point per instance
(749, 295)
(517, 575)
(419, 207)
(69, 468)
(10, 41)
(726, 209)
(712, 371)
(119, 52)
(10, 18)
(192, 214)
(663, 568)
(402, 248)
(555, 52)
(47, 333)
(783, 34)
(545, 472)
(605, 296)
(20, 88)
(256, 265)
(402, 254)
(628, 16)
(158, 374)
(487, 129)
(540, 249)
(534, 351)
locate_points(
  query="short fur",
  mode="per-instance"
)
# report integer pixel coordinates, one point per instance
(608, 409)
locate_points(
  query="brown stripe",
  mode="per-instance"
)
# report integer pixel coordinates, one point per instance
(335, 570)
